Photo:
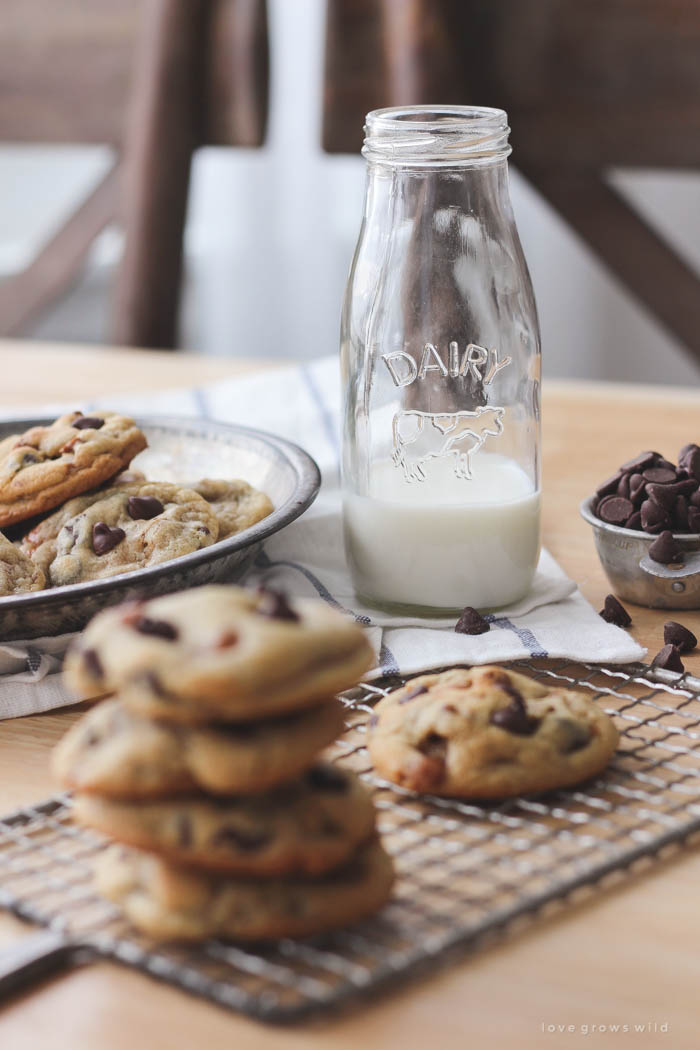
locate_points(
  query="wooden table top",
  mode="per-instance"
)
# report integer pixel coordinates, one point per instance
(628, 955)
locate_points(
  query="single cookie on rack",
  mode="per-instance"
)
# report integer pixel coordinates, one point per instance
(237, 504)
(115, 753)
(306, 826)
(171, 903)
(130, 527)
(46, 465)
(18, 573)
(219, 653)
(487, 733)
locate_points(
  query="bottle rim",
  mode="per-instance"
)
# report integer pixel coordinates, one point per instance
(428, 135)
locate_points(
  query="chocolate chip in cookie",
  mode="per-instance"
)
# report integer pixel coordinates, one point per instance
(275, 605)
(143, 507)
(156, 628)
(88, 423)
(105, 538)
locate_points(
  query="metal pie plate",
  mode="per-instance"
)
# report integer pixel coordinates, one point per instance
(179, 450)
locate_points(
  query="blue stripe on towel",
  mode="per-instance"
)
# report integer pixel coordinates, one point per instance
(524, 634)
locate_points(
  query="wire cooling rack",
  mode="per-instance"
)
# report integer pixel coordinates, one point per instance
(464, 870)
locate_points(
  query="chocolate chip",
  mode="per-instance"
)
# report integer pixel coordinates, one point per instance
(614, 612)
(156, 686)
(686, 452)
(275, 605)
(417, 690)
(665, 495)
(157, 628)
(695, 499)
(573, 735)
(471, 622)
(666, 463)
(143, 508)
(433, 745)
(615, 510)
(610, 486)
(637, 487)
(93, 664)
(623, 488)
(692, 464)
(184, 831)
(634, 521)
(665, 550)
(227, 640)
(104, 538)
(669, 659)
(328, 778)
(654, 517)
(514, 718)
(28, 458)
(244, 839)
(678, 635)
(88, 423)
(680, 514)
(694, 519)
(659, 475)
(640, 462)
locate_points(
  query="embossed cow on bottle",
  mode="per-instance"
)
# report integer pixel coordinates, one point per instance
(422, 436)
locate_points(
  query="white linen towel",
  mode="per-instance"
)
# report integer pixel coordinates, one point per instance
(302, 403)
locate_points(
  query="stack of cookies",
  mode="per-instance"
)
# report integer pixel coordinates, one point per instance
(205, 765)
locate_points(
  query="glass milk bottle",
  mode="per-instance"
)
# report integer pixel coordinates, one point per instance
(440, 364)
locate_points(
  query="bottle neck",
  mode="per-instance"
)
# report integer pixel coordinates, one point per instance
(418, 138)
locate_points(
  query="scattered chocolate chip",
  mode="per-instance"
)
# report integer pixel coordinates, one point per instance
(240, 838)
(143, 508)
(413, 693)
(573, 735)
(184, 831)
(665, 550)
(327, 778)
(88, 423)
(471, 622)
(678, 635)
(614, 612)
(93, 664)
(275, 605)
(610, 486)
(659, 475)
(654, 517)
(640, 462)
(669, 659)
(104, 538)
(157, 628)
(615, 510)
(634, 521)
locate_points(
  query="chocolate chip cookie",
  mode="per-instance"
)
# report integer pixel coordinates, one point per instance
(49, 464)
(305, 826)
(130, 527)
(114, 753)
(18, 573)
(171, 903)
(219, 653)
(237, 504)
(487, 733)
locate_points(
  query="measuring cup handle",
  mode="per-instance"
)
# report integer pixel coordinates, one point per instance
(683, 578)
